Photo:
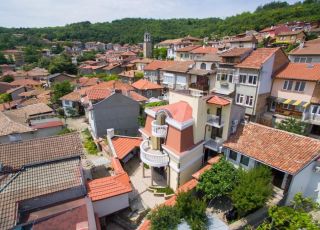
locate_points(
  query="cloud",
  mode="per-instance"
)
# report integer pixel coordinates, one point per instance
(39, 13)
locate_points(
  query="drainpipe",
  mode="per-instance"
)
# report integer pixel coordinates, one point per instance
(256, 96)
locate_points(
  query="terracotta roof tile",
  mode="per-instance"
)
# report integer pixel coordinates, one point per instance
(180, 67)
(214, 160)
(244, 39)
(124, 145)
(49, 124)
(204, 50)
(97, 94)
(279, 149)
(137, 97)
(301, 71)
(143, 84)
(235, 52)
(107, 187)
(40, 150)
(8, 126)
(256, 59)
(180, 111)
(216, 100)
(310, 48)
(25, 82)
(187, 48)
(4, 87)
(197, 174)
(158, 64)
(73, 96)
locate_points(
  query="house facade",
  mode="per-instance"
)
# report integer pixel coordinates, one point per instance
(292, 159)
(254, 81)
(306, 52)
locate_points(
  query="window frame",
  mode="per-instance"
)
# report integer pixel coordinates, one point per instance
(244, 157)
(236, 156)
(242, 77)
(286, 86)
(254, 79)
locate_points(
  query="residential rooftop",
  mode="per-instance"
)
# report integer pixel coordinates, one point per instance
(300, 71)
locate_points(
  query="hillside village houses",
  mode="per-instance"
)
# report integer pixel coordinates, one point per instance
(213, 98)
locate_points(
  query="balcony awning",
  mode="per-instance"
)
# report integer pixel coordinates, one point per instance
(292, 102)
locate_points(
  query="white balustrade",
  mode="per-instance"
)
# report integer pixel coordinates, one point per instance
(153, 158)
(214, 121)
(159, 130)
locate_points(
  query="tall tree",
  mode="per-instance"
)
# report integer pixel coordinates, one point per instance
(292, 125)
(62, 63)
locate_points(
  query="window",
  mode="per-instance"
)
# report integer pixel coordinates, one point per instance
(242, 78)
(168, 80)
(240, 98)
(249, 101)
(303, 59)
(218, 77)
(273, 106)
(181, 80)
(287, 106)
(203, 66)
(230, 76)
(186, 55)
(296, 59)
(223, 77)
(252, 80)
(315, 109)
(233, 155)
(244, 160)
(300, 86)
(309, 60)
(287, 85)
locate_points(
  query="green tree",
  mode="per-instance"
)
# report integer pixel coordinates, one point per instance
(44, 62)
(31, 54)
(292, 125)
(160, 53)
(253, 190)
(192, 209)
(5, 97)
(295, 216)
(62, 63)
(7, 78)
(219, 180)
(3, 59)
(60, 89)
(88, 55)
(164, 217)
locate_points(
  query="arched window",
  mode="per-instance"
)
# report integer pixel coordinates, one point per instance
(203, 66)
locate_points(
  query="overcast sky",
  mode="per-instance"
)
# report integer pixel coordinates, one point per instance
(39, 13)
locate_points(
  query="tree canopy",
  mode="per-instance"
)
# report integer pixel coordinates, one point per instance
(131, 30)
(60, 89)
(292, 125)
(62, 63)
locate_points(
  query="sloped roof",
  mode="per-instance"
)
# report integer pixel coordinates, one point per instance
(137, 97)
(158, 64)
(187, 48)
(73, 96)
(256, 59)
(204, 50)
(4, 86)
(143, 84)
(235, 52)
(216, 100)
(25, 82)
(251, 38)
(97, 94)
(180, 111)
(124, 145)
(8, 126)
(311, 47)
(39, 150)
(180, 67)
(301, 71)
(282, 150)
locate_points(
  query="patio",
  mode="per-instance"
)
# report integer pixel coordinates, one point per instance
(141, 198)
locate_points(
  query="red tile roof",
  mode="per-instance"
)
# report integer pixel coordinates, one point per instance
(124, 145)
(137, 97)
(158, 64)
(180, 67)
(73, 96)
(204, 50)
(25, 82)
(214, 160)
(189, 185)
(187, 48)
(49, 124)
(85, 81)
(216, 100)
(97, 94)
(279, 149)
(235, 52)
(197, 174)
(301, 71)
(143, 84)
(257, 58)
(104, 188)
(180, 111)
(310, 48)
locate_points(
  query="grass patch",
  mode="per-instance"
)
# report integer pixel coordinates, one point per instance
(166, 190)
(89, 144)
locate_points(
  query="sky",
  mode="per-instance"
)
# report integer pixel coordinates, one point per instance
(41, 13)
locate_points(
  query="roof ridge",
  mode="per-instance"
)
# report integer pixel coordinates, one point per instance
(283, 131)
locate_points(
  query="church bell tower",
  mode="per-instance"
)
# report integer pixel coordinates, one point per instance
(147, 45)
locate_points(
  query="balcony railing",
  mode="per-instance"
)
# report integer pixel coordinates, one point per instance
(215, 121)
(153, 158)
(214, 144)
(159, 130)
(199, 87)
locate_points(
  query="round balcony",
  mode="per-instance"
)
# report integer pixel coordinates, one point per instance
(159, 130)
(153, 158)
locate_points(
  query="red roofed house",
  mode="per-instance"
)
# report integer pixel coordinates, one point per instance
(110, 194)
(147, 88)
(254, 79)
(293, 159)
(153, 71)
(296, 92)
(307, 52)
(178, 138)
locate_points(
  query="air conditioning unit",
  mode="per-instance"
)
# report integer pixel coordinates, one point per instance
(316, 169)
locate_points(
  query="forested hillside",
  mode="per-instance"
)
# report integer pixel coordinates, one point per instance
(130, 30)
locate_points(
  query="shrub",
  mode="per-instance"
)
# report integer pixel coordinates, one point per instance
(253, 190)
(7, 79)
(156, 103)
(88, 143)
(219, 180)
(166, 190)
(192, 210)
(5, 97)
(65, 131)
(164, 217)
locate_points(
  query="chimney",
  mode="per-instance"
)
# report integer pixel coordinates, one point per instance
(110, 133)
